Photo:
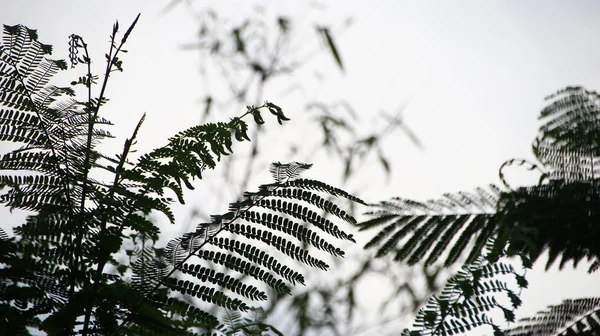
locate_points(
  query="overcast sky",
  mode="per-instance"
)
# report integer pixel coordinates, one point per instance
(475, 74)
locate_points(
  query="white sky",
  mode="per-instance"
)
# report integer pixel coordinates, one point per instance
(475, 72)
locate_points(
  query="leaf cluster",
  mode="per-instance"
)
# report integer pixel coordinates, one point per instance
(62, 271)
(557, 216)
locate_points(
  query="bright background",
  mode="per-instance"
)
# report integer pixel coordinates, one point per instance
(474, 75)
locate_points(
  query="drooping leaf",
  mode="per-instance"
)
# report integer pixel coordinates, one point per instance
(326, 34)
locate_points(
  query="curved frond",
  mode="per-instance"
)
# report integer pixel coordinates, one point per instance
(270, 227)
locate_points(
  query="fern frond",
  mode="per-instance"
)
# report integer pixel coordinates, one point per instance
(417, 230)
(150, 318)
(33, 161)
(184, 158)
(148, 269)
(287, 171)
(247, 258)
(186, 310)
(572, 120)
(571, 317)
(24, 71)
(568, 143)
(251, 323)
(467, 298)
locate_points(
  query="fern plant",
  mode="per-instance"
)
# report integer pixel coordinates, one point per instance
(62, 271)
(557, 216)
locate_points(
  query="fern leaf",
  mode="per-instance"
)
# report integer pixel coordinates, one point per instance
(571, 317)
(19, 119)
(466, 300)
(444, 240)
(568, 143)
(276, 200)
(572, 120)
(287, 171)
(426, 230)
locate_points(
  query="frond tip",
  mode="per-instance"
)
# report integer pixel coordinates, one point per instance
(287, 171)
